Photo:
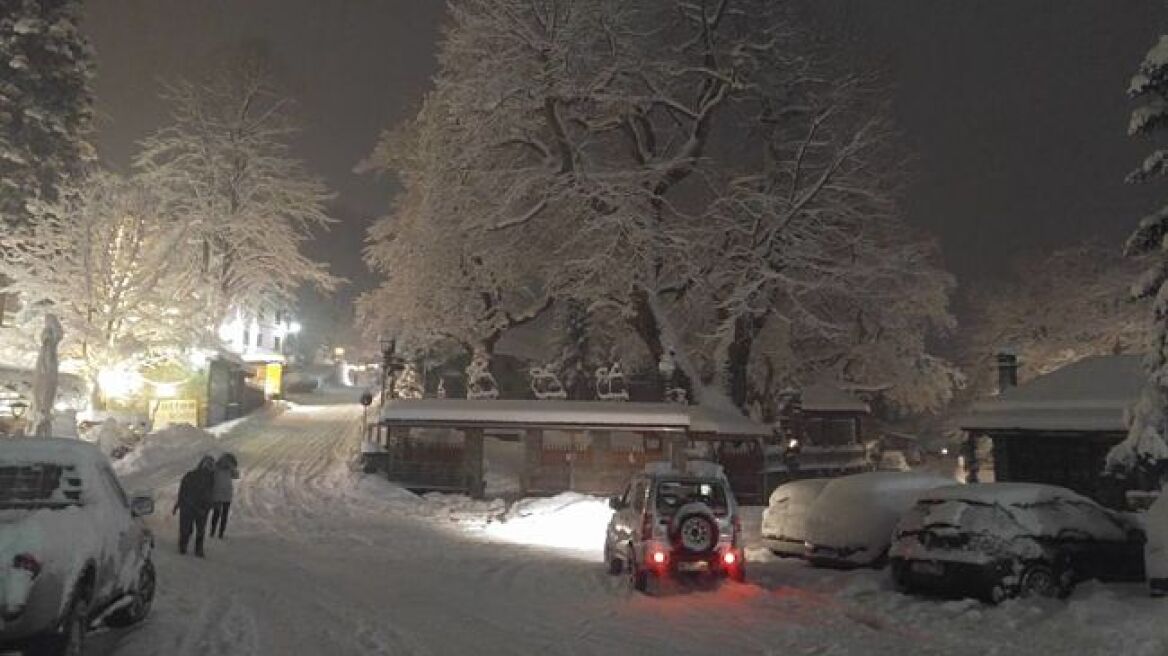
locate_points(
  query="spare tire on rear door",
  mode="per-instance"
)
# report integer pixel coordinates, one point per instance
(694, 528)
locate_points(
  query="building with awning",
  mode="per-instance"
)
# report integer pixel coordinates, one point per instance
(586, 446)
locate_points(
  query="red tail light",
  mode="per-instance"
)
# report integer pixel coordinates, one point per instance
(28, 563)
(729, 558)
(659, 557)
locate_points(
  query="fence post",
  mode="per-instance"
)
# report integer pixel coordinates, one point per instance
(473, 462)
(532, 456)
(677, 445)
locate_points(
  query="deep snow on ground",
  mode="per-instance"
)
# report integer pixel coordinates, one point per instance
(320, 559)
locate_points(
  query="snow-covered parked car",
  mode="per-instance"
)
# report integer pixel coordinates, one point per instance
(671, 524)
(73, 549)
(1156, 549)
(784, 522)
(997, 540)
(851, 521)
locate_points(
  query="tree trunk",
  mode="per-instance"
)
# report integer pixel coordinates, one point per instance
(657, 332)
(644, 324)
(746, 329)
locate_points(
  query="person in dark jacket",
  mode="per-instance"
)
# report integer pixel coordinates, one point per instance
(193, 503)
(226, 471)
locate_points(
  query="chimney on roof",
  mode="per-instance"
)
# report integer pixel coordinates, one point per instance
(1007, 369)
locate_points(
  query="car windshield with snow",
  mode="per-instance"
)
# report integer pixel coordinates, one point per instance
(73, 550)
(998, 540)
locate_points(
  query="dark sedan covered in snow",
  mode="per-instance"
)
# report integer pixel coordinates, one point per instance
(998, 540)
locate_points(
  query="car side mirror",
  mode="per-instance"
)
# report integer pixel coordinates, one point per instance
(615, 503)
(142, 506)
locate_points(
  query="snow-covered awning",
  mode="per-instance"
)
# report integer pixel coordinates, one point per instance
(576, 415)
(1091, 395)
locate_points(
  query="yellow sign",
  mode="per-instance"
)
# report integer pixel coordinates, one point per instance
(168, 412)
(273, 379)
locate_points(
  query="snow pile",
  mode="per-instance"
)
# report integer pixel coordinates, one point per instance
(566, 521)
(108, 436)
(179, 443)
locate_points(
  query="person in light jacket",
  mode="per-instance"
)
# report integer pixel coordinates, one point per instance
(226, 471)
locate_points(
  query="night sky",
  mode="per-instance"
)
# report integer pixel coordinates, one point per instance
(1015, 108)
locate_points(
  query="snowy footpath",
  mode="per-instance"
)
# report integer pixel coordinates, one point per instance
(321, 560)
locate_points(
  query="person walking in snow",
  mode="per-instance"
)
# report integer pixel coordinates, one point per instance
(193, 503)
(226, 471)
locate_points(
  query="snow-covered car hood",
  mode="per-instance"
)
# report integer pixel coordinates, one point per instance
(786, 515)
(855, 515)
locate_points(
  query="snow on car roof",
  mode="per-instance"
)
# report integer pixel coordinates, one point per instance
(569, 414)
(1091, 394)
(1017, 494)
(880, 481)
(48, 449)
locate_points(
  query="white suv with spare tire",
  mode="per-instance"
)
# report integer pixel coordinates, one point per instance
(670, 524)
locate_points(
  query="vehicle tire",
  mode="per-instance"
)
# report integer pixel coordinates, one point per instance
(996, 594)
(899, 576)
(639, 579)
(139, 608)
(1039, 580)
(696, 532)
(70, 641)
(612, 564)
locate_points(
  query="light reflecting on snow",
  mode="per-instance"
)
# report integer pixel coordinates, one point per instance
(571, 522)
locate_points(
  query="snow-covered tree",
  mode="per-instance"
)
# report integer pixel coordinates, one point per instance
(45, 102)
(445, 277)
(108, 263)
(226, 167)
(612, 148)
(1052, 310)
(576, 349)
(1146, 448)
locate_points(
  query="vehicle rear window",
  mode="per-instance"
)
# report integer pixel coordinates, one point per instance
(672, 495)
(39, 484)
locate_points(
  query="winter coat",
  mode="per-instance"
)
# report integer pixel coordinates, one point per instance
(224, 488)
(194, 492)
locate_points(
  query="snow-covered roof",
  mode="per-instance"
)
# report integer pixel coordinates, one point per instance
(1092, 394)
(825, 397)
(723, 421)
(598, 415)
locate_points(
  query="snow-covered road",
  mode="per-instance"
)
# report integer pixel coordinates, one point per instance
(318, 561)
